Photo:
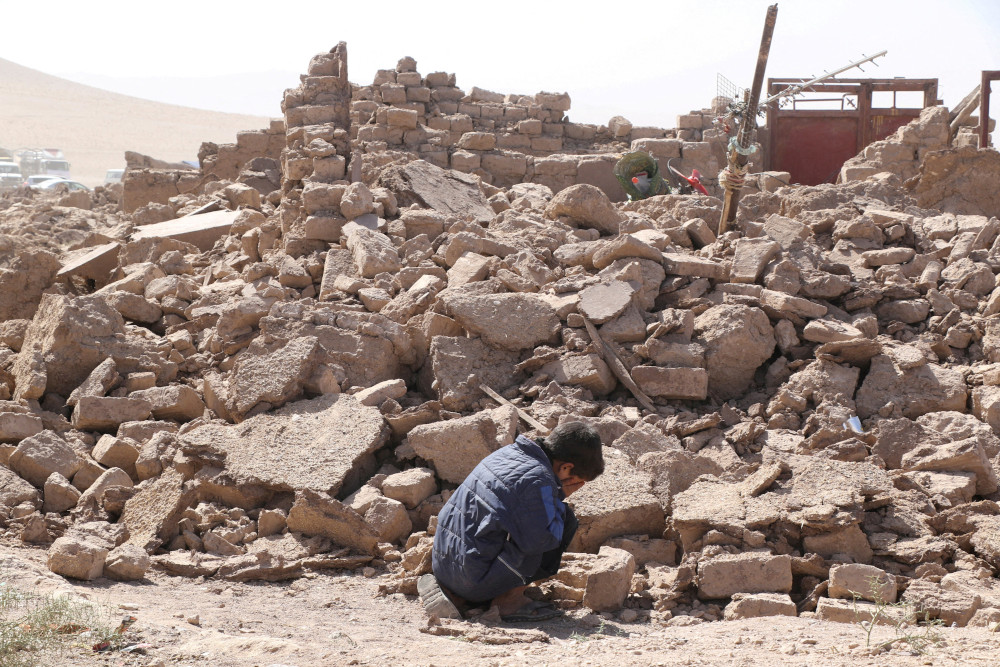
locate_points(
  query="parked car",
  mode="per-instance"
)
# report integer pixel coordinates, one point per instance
(54, 183)
(10, 175)
(113, 176)
(33, 180)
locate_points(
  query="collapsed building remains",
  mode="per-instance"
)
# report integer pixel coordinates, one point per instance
(278, 363)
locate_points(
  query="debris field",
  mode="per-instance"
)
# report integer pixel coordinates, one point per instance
(282, 362)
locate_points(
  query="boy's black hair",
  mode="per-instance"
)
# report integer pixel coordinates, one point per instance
(576, 443)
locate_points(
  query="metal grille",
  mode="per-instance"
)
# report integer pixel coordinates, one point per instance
(724, 88)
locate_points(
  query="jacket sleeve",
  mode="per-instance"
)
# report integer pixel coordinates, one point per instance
(539, 519)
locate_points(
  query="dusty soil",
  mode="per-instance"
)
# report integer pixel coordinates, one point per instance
(339, 619)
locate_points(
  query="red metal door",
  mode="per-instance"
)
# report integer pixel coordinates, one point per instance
(812, 144)
(813, 148)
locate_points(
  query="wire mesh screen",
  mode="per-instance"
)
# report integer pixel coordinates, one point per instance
(726, 92)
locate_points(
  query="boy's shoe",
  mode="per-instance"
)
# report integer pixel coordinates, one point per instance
(434, 599)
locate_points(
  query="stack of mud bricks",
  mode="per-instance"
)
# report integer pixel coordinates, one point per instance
(230, 158)
(509, 139)
(317, 120)
(316, 156)
(498, 137)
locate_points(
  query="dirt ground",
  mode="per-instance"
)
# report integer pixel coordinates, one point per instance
(338, 619)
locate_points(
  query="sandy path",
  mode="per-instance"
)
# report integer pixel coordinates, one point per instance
(337, 619)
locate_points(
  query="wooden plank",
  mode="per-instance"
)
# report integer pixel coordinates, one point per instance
(617, 367)
(749, 122)
(531, 421)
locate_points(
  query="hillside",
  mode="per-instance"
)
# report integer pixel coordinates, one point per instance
(94, 127)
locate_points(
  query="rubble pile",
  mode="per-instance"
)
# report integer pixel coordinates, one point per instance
(268, 375)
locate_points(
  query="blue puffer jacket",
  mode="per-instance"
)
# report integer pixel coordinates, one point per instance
(492, 532)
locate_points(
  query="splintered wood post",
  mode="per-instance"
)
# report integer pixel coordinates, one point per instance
(531, 421)
(607, 353)
(737, 160)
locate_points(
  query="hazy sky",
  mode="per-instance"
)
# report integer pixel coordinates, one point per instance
(646, 61)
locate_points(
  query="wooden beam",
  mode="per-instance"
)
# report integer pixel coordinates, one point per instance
(744, 137)
(520, 413)
(607, 353)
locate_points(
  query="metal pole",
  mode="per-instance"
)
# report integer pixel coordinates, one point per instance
(749, 123)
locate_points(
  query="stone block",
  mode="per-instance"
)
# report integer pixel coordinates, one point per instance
(619, 502)
(326, 443)
(848, 541)
(456, 446)
(466, 161)
(726, 575)
(604, 578)
(59, 494)
(857, 580)
(40, 455)
(107, 413)
(750, 258)
(849, 611)
(952, 607)
(672, 383)
(410, 487)
(318, 514)
(780, 302)
(175, 402)
(115, 452)
(787, 232)
(756, 605)
(478, 141)
(373, 253)
(688, 265)
(470, 267)
(126, 563)
(646, 550)
(389, 520)
(15, 426)
(604, 302)
(76, 558)
(456, 364)
(584, 370)
(588, 206)
(402, 118)
(377, 394)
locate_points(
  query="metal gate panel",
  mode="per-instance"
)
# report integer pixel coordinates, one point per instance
(812, 145)
(813, 148)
